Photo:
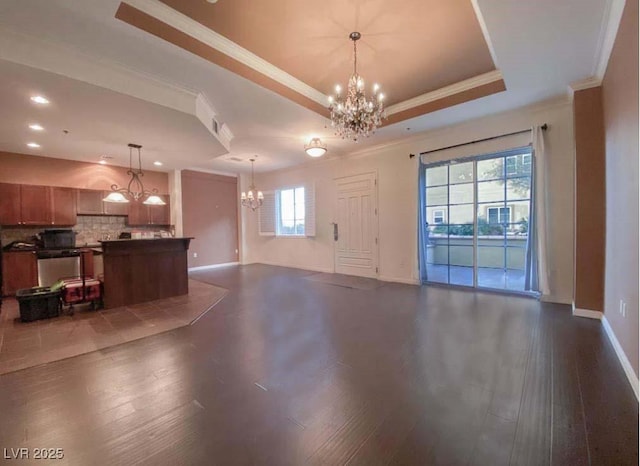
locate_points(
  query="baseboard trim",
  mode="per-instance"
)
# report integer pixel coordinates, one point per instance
(213, 266)
(405, 281)
(588, 313)
(626, 365)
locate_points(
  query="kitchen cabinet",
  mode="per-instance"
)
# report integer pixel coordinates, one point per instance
(19, 270)
(142, 214)
(90, 202)
(114, 208)
(9, 204)
(22, 204)
(35, 205)
(63, 206)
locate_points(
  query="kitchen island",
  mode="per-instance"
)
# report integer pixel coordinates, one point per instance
(141, 270)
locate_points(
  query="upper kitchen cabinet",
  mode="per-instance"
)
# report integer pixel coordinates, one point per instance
(159, 214)
(35, 205)
(114, 208)
(142, 214)
(90, 202)
(63, 203)
(9, 204)
(25, 204)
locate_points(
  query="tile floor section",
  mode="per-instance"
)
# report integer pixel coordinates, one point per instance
(30, 344)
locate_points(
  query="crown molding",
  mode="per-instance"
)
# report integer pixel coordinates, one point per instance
(607, 38)
(206, 113)
(446, 91)
(428, 134)
(485, 31)
(194, 29)
(583, 84)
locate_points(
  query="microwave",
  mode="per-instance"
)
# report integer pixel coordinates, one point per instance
(55, 239)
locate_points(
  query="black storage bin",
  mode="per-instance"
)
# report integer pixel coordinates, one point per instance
(38, 303)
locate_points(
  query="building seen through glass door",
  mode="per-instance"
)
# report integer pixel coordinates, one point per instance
(477, 220)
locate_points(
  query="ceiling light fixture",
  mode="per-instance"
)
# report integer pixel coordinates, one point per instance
(252, 198)
(102, 162)
(353, 115)
(157, 163)
(135, 189)
(36, 127)
(40, 99)
(315, 148)
(33, 145)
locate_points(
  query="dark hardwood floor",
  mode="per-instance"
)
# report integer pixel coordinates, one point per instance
(291, 371)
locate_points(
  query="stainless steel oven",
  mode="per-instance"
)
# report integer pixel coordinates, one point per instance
(56, 264)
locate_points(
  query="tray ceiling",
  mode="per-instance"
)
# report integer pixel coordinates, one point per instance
(413, 49)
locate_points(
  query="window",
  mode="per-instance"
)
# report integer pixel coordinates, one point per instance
(290, 212)
(499, 215)
(511, 165)
(438, 216)
(526, 163)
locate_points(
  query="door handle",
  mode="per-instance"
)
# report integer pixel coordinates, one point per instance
(335, 231)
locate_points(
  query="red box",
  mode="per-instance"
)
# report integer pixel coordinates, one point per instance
(72, 290)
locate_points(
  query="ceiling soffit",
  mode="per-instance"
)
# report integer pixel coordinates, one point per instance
(424, 78)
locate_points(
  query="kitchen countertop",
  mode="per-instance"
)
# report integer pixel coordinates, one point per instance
(146, 239)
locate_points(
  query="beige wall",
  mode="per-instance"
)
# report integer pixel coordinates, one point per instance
(590, 199)
(47, 171)
(620, 98)
(398, 198)
(210, 215)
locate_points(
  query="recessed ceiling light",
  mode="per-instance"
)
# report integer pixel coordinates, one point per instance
(40, 99)
(157, 164)
(102, 162)
(36, 127)
(34, 145)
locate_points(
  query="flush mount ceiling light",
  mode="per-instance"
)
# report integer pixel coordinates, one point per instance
(353, 115)
(33, 145)
(253, 198)
(315, 148)
(135, 189)
(38, 99)
(36, 127)
(157, 163)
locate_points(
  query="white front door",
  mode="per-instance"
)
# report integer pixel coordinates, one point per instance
(356, 248)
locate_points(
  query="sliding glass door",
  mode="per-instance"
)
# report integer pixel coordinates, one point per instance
(477, 220)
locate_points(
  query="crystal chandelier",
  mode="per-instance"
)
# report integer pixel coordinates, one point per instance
(252, 198)
(135, 189)
(353, 115)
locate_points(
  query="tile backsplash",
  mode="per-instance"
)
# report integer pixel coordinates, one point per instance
(90, 229)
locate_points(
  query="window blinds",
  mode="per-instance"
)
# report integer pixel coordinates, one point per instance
(267, 215)
(309, 210)
(268, 212)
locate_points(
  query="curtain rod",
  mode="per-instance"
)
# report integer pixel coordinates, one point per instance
(544, 128)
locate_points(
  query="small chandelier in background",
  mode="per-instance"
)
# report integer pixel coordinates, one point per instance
(135, 189)
(252, 198)
(353, 115)
(315, 148)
